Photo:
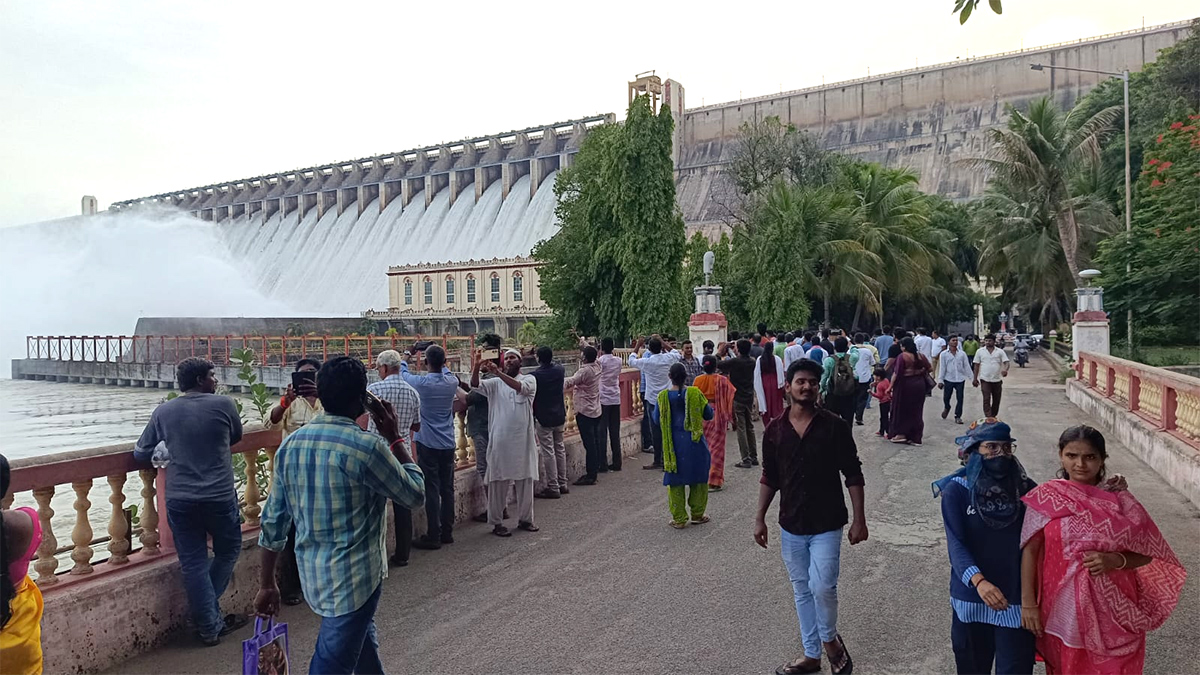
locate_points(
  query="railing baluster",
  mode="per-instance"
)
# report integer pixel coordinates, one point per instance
(46, 563)
(149, 516)
(461, 454)
(82, 535)
(118, 528)
(252, 510)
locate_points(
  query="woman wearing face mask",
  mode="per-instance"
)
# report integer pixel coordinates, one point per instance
(982, 512)
(1096, 573)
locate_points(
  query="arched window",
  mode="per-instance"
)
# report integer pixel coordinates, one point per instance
(449, 289)
(518, 285)
(428, 291)
(495, 287)
(408, 291)
(471, 289)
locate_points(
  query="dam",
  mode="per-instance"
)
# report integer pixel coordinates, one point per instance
(320, 241)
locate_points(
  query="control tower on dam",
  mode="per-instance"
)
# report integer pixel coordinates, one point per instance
(924, 118)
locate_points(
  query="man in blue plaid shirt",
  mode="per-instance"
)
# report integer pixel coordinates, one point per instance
(333, 480)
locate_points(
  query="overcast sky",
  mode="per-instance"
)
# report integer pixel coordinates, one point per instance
(131, 98)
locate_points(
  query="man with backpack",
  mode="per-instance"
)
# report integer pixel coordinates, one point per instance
(839, 383)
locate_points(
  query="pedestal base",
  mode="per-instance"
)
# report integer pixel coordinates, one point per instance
(707, 326)
(1089, 335)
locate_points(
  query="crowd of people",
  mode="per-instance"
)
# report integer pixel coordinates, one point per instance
(1073, 569)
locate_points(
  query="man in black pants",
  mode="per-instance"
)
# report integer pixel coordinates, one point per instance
(610, 405)
(740, 371)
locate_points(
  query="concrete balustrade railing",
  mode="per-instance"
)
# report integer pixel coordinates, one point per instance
(1169, 401)
(46, 476)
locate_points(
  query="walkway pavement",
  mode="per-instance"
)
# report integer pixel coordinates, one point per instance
(608, 587)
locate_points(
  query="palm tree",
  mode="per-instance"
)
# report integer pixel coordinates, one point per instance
(802, 244)
(1038, 154)
(891, 218)
(1020, 244)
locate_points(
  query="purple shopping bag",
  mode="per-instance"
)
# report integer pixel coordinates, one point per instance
(266, 653)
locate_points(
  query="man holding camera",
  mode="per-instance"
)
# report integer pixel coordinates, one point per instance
(512, 442)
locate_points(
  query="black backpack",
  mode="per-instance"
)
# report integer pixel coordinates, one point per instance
(844, 380)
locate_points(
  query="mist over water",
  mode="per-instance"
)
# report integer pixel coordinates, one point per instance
(96, 275)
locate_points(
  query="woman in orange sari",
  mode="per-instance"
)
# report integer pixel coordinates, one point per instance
(719, 391)
(1096, 574)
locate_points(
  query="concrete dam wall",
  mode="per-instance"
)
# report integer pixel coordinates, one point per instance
(924, 118)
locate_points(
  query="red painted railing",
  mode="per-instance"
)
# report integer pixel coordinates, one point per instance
(278, 350)
(1167, 400)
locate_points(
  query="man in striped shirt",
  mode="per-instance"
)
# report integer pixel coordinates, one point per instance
(392, 388)
(333, 480)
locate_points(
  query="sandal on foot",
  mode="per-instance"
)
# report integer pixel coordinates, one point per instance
(678, 526)
(715, 488)
(847, 662)
(528, 527)
(701, 520)
(501, 531)
(796, 667)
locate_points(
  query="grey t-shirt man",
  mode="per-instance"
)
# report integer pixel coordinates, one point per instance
(198, 430)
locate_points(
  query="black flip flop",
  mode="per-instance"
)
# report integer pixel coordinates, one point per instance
(528, 527)
(501, 531)
(788, 669)
(849, 667)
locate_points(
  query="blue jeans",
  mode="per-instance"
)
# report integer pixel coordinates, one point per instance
(813, 562)
(347, 643)
(205, 579)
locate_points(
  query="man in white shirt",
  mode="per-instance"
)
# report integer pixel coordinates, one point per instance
(512, 441)
(954, 367)
(936, 347)
(610, 405)
(793, 351)
(656, 366)
(864, 368)
(991, 367)
(924, 343)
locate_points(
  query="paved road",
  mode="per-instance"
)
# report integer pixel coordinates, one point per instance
(608, 587)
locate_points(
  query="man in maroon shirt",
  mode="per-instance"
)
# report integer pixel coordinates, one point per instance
(803, 453)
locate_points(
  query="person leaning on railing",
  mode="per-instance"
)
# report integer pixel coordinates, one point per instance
(198, 429)
(20, 599)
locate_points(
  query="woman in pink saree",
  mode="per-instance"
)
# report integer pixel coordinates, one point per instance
(1096, 574)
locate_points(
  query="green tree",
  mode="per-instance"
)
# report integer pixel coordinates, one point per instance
(1163, 248)
(1037, 155)
(614, 266)
(963, 8)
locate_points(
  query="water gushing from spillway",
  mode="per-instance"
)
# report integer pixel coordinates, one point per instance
(339, 263)
(96, 275)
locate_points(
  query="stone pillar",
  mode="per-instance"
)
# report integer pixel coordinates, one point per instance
(1089, 325)
(708, 322)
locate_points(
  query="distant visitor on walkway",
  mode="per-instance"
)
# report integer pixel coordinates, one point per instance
(991, 367)
(406, 404)
(719, 392)
(803, 454)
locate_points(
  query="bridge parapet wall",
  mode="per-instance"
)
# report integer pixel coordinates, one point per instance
(1155, 412)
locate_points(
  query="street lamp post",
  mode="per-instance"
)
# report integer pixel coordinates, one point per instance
(1124, 75)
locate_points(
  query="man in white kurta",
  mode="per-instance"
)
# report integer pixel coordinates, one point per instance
(512, 458)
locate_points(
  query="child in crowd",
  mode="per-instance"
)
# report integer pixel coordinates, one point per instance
(881, 389)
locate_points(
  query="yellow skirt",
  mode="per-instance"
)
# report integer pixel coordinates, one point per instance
(21, 638)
